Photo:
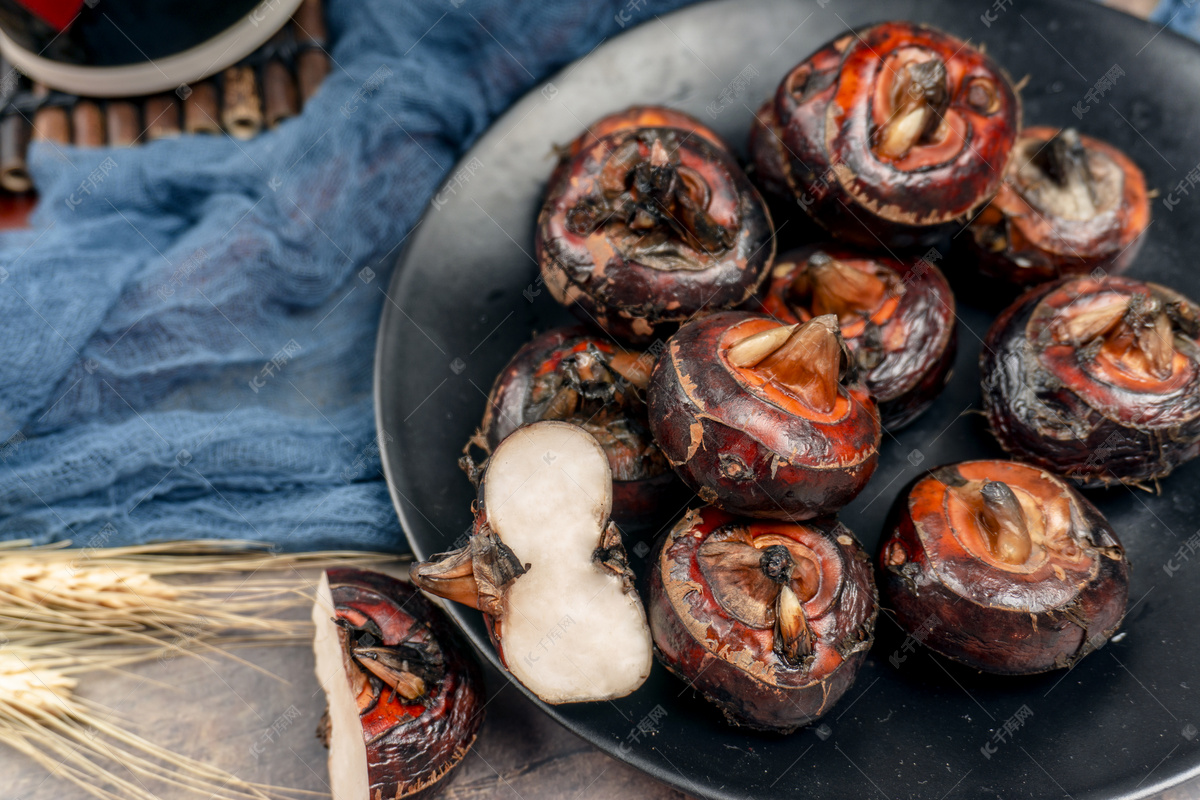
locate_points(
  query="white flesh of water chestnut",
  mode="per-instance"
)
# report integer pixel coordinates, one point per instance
(348, 773)
(571, 629)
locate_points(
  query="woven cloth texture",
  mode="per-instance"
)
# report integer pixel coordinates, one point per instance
(189, 325)
(1182, 16)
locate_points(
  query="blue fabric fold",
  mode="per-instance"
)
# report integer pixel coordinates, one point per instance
(1181, 16)
(189, 325)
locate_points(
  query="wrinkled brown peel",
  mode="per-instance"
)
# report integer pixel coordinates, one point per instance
(895, 135)
(773, 640)
(1070, 205)
(475, 574)
(761, 441)
(1008, 586)
(633, 118)
(1120, 406)
(647, 227)
(896, 317)
(418, 689)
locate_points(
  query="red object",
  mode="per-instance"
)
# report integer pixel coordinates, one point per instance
(746, 443)
(15, 211)
(714, 614)
(952, 591)
(1024, 240)
(412, 745)
(898, 321)
(825, 139)
(58, 14)
(647, 227)
(1097, 380)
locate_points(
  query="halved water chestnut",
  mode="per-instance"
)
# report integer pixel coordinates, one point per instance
(895, 134)
(770, 621)
(763, 419)
(646, 227)
(1069, 205)
(896, 317)
(1096, 379)
(405, 693)
(585, 379)
(548, 569)
(1004, 567)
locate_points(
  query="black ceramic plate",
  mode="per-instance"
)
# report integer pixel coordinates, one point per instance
(1124, 722)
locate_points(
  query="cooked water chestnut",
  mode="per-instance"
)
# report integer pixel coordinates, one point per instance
(646, 227)
(769, 620)
(548, 569)
(1069, 205)
(763, 419)
(1004, 567)
(571, 375)
(405, 693)
(1096, 379)
(896, 317)
(893, 135)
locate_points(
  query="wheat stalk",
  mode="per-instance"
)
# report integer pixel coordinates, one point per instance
(132, 595)
(42, 718)
(67, 612)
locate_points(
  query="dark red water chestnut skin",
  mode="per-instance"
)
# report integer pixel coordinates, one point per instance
(750, 445)
(1004, 567)
(1096, 379)
(636, 117)
(894, 135)
(579, 377)
(719, 624)
(412, 745)
(1035, 229)
(896, 316)
(646, 227)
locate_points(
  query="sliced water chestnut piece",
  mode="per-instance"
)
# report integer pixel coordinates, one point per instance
(1004, 567)
(572, 375)
(896, 317)
(1096, 379)
(647, 227)
(1069, 205)
(406, 695)
(548, 569)
(768, 620)
(763, 419)
(891, 136)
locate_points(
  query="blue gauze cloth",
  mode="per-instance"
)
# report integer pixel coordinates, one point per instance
(189, 325)
(1182, 16)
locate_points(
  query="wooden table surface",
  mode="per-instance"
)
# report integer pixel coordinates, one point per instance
(229, 715)
(263, 729)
